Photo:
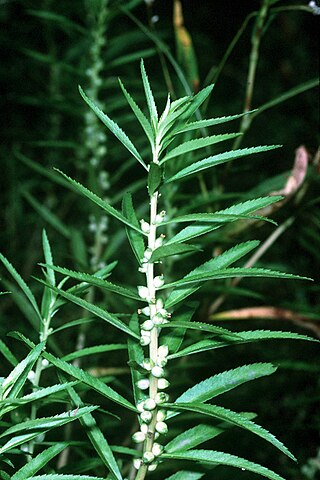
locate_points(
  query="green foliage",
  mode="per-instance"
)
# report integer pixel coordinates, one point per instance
(102, 353)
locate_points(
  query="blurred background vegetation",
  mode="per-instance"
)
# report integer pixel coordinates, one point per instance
(258, 54)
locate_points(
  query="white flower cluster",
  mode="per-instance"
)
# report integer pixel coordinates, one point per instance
(151, 406)
(159, 318)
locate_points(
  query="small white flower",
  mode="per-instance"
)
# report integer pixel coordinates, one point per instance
(138, 437)
(144, 428)
(157, 319)
(149, 404)
(146, 417)
(161, 415)
(148, 364)
(44, 362)
(162, 428)
(147, 254)
(159, 242)
(157, 371)
(162, 361)
(145, 340)
(159, 304)
(152, 467)
(163, 351)
(137, 463)
(145, 311)
(157, 449)
(140, 406)
(145, 227)
(31, 376)
(161, 398)
(148, 457)
(143, 292)
(143, 268)
(143, 384)
(163, 383)
(158, 281)
(147, 325)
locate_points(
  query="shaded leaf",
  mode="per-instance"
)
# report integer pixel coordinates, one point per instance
(149, 96)
(114, 128)
(135, 237)
(219, 458)
(169, 250)
(154, 178)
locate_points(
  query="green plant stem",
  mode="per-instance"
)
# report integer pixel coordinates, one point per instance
(253, 63)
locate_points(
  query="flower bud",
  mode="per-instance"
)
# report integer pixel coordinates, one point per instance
(140, 406)
(147, 325)
(149, 404)
(137, 463)
(158, 243)
(147, 254)
(162, 428)
(143, 384)
(157, 449)
(161, 398)
(145, 227)
(157, 371)
(145, 311)
(148, 457)
(146, 417)
(163, 351)
(161, 415)
(148, 364)
(138, 437)
(158, 281)
(162, 361)
(152, 467)
(145, 340)
(144, 428)
(159, 303)
(143, 292)
(163, 383)
(157, 319)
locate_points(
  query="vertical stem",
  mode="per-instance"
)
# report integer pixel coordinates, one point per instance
(253, 64)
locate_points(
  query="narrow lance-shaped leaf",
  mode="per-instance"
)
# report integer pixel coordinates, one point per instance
(234, 272)
(135, 237)
(22, 284)
(6, 352)
(94, 350)
(246, 337)
(217, 160)
(60, 476)
(12, 385)
(96, 281)
(90, 307)
(169, 250)
(100, 202)
(201, 327)
(136, 356)
(154, 178)
(40, 425)
(197, 143)
(210, 122)
(234, 418)
(41, 460)
(149, 96)
(114, 128)
(139, 114)
(96, 437)
(213, 457)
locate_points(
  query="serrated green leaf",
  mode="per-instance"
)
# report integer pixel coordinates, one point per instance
(169, 250)
(154, 178)
(73, 323)
(210, 122)
(48, 257)
(6, 352)
(14, 382)
(215, 218)
(58, 476)
(190, 232)
(220, 458)
(96, 437)
(217, 160)
(175, 338)
(224, 260)
(139, 114)
(90, 307)
(192, 437)
(232, 273)
(96, 281)
(41, 460)
(224, 382)
(136, 355)
(149, 96)
(114, 128)
(196, 101)
(40, 425)
(94, 350)
(22, 284)
(201, 327)
(234, 418)
(135, 238)
(247, 337)
(185, 475)
(197, 143)
(100, 202)
(88, 379)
